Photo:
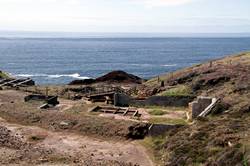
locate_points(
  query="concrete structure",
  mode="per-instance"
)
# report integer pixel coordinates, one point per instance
(201, 107)
(209, 108)
(49, 100)
(122, 100)
(159, 129)
(116, 110)
(107, 97)
(176, 101)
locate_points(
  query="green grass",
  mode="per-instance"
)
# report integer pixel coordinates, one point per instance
(169, 108)
(153, 107)
(161, 120)
(157, 112)
(245, 161)
(215, 150)
(246, 151)
(181, 90)
(155, 146)
(154, 142)
(3, 75)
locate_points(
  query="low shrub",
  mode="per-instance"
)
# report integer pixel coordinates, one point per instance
(157, 112)
(181, 90)
(3, 75)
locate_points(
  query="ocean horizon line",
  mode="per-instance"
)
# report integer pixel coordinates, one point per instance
(42, 34)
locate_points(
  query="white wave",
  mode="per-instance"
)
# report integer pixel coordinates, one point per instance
(142, 64)
(24, 75)
(75, 75)
(31, 75)
(169, 65)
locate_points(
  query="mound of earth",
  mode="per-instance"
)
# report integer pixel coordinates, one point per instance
(112, 77)
(121, 77)
(82, 82)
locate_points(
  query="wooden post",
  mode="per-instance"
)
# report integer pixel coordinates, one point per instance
(211, 64)
(162, 83)
(57, 92)
(47, 92)
(68, 95)
(36, 91)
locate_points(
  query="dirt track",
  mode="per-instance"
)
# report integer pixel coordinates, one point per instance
(32, 145)
(67, 144)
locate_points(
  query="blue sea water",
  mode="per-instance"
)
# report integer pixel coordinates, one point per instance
(61, 60)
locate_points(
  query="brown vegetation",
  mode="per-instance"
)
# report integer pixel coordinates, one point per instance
(222, 138)
(219, 139)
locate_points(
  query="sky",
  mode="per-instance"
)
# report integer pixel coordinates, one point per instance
(129, 16)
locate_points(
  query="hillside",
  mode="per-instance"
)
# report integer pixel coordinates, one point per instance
(223, 138)
(227, 78)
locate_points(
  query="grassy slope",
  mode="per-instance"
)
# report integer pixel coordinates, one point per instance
(243, 58)
(221, 139)
(228, 79)
(3, 75)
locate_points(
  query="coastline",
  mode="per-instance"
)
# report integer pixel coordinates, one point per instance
(60, 61)
(226, 79)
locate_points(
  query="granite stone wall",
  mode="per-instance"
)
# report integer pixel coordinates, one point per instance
(198, 106)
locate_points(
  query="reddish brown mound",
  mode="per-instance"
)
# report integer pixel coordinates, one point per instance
(82, 82)
(112, 77)
(120, 77)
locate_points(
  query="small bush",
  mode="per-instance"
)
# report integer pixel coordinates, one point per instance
(154, 143)
(215, 150)
(36, 138)
(157, 112)
(161, 120)
(3, 75)
(181, 90)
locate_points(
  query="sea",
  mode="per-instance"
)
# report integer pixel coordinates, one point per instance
(52, 61)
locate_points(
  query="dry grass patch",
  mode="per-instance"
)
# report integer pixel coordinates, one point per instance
(4, 75)
(162, 120)
(157, 112)
(180, 90)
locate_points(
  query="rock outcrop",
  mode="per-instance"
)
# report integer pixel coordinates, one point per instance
(112, 77)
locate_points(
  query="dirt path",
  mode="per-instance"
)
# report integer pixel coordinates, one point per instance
(74, 145)
(66, 104)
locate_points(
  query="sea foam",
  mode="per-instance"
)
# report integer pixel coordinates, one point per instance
(54, 76)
